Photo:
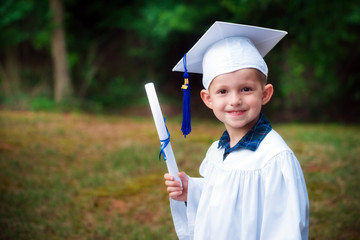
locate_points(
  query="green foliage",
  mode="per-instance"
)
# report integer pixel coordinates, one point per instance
(24, 20)
(159, 21)
(314, 65)
(13, 11)
(11, 14)
(118, 92)
(42, 104)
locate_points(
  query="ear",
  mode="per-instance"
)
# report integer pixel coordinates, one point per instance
(205, 96)
(267, 93)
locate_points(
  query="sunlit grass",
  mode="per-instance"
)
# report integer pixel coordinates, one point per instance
(74, 176)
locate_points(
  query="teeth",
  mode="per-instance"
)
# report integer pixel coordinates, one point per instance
(236, 112)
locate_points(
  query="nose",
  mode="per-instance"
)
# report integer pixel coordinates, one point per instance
(235, 99)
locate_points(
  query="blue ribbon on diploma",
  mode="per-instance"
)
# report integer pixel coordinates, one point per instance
(164, 143)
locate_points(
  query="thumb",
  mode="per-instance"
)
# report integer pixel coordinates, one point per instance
(183, 176)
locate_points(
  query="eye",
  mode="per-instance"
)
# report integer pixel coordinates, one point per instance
(222, 91)
(246, 89)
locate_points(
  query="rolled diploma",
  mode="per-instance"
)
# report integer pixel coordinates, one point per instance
(161, 129)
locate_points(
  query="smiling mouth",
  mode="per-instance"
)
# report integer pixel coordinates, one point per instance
(236, 113)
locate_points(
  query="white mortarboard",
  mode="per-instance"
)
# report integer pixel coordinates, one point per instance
(227, 47)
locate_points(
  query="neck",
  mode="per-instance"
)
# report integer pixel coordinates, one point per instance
(236, 134)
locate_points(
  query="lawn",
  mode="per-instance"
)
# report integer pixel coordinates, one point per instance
(78, 176)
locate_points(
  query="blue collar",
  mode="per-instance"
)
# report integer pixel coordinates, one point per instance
(251, 140)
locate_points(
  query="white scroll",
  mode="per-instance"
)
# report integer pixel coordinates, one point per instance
(161, 129)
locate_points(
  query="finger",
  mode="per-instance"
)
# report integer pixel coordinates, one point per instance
(175, 194)
(174, 189)
(172, 183)
(182, 175)
(168, 177)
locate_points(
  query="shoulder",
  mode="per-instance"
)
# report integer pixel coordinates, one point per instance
(214, 146)
(271, 148)
(213, 156)
(214, 152)
(272, 145)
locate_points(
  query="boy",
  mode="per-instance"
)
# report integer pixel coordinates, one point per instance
(252, 185)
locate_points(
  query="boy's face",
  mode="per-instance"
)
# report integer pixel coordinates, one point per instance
(236, 98)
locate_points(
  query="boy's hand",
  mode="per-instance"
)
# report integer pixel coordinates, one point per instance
(174, 189)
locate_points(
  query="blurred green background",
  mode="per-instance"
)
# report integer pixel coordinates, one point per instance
(78, 146)
(97, 55)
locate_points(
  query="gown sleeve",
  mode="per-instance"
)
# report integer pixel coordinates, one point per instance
(184, 215)
(286, 203)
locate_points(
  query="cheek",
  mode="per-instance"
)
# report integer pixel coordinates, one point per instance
(254, 101)
(218, 103)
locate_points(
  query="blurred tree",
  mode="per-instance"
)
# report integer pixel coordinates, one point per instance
(24, 30)
(11, 14)
(116, 46)
(62, 86)
(156, 34)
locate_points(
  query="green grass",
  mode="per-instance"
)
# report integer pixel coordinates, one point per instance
(74, 176)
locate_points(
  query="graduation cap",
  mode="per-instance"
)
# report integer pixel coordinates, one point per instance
(225, 47)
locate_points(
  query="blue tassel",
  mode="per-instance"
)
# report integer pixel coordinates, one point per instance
(186, 123)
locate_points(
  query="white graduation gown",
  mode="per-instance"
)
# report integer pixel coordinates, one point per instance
(250, 195)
